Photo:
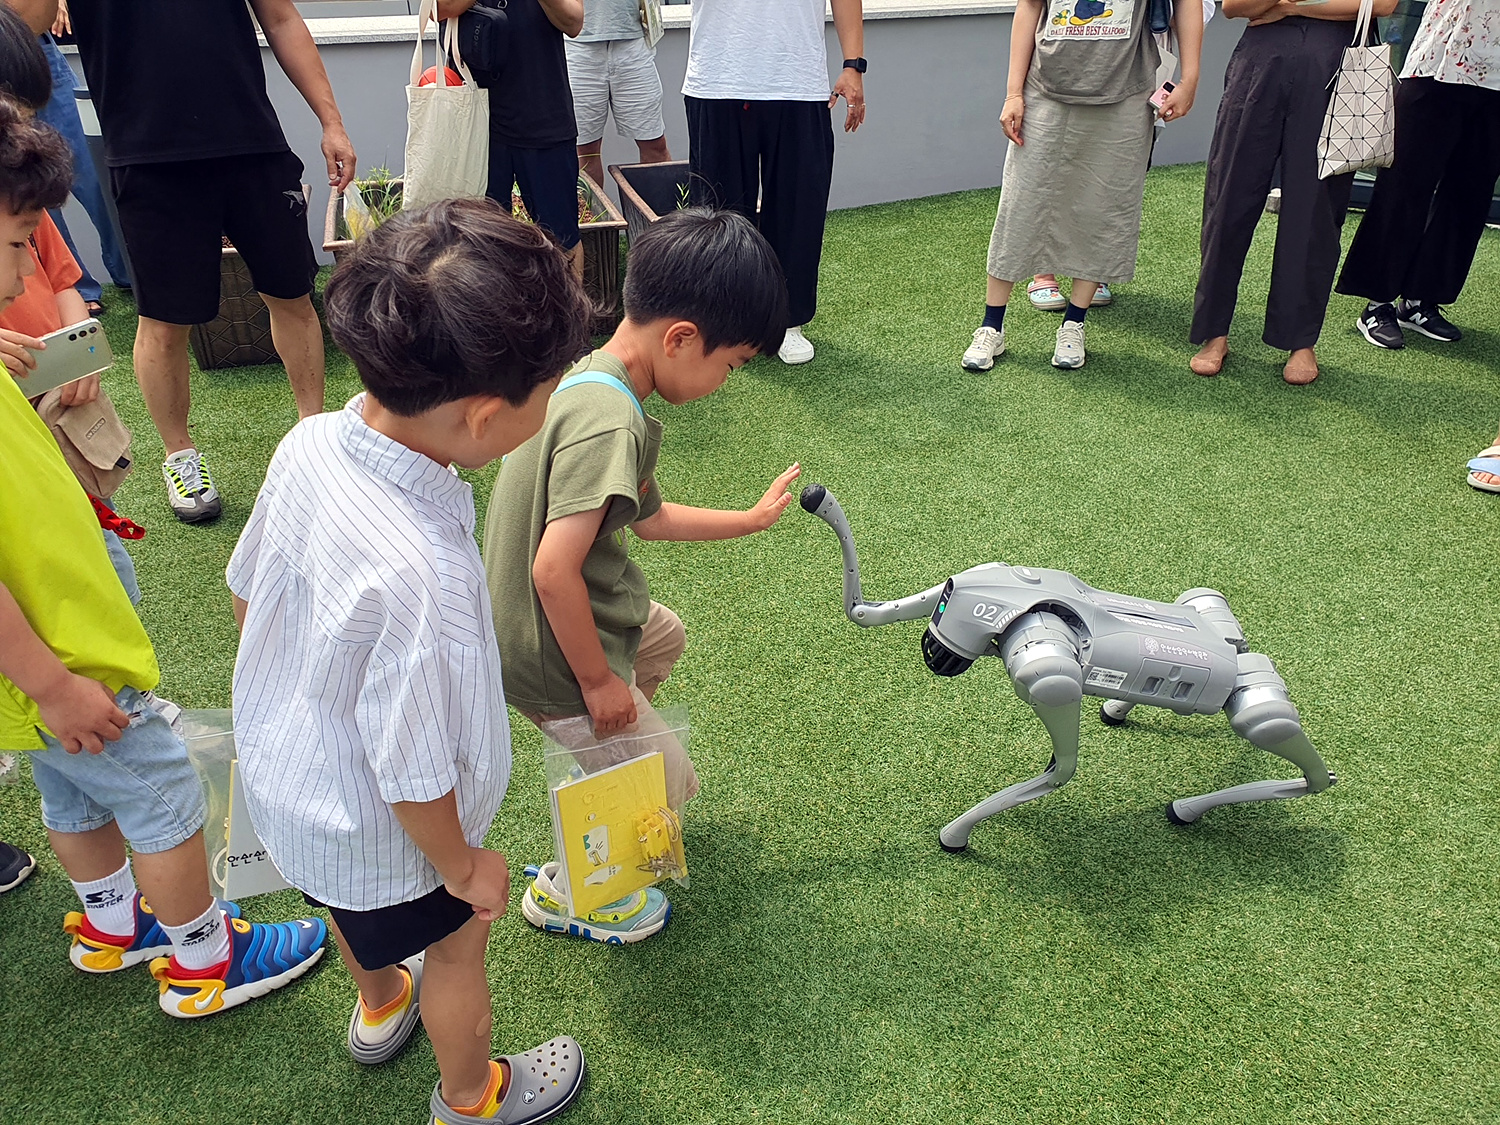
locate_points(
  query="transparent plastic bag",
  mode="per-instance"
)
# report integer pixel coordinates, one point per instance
(615, 805)
(357, 216)
(209, 736)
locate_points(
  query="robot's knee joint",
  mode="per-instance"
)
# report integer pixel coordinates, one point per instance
(1050, 682)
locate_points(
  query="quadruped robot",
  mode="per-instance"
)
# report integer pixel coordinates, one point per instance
(1061, 639)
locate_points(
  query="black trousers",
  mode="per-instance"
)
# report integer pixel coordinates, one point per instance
(780, 153)
(1428, 210)
(1276, 92)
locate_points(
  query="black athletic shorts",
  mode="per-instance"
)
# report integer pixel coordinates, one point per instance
(173, 216)
(390, 935)
(548, 179)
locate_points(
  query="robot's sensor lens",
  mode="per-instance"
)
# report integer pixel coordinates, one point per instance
(941, 659)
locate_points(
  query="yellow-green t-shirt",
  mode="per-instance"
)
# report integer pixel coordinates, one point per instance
(54, 563)
(597, 449)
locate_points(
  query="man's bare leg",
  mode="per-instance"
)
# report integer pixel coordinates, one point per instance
(298, 336)
(590, 162)
(654, 151)
(161, 368)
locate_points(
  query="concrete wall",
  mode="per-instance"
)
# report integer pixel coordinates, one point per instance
(935, 88)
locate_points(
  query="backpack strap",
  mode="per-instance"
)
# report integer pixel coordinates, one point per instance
(604, 378)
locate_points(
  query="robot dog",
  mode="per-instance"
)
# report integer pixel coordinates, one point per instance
(1061, 640)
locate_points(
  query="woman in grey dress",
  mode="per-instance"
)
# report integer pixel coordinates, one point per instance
(1079, 120)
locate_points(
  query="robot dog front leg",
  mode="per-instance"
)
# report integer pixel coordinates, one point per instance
(1041, 655)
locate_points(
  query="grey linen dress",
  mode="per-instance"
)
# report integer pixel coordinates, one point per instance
(1070, 196)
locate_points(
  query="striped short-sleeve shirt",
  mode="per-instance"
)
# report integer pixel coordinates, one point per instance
(368, 672)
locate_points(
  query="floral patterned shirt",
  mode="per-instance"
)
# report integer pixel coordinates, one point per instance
(1458, 41)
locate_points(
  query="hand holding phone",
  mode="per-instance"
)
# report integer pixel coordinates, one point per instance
(1158, 99)
(64, 356)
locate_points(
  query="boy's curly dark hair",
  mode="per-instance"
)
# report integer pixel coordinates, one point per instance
(456, 299)
(36, 169)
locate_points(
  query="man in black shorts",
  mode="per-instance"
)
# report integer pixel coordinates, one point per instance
(195, 153)
(533, 135)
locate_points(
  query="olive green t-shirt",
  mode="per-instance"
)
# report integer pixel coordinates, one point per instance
(596, 448)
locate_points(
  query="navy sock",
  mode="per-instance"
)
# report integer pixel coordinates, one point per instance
(994, 317)
(1075, 313)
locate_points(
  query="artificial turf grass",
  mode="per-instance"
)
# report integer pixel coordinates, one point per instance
(1329, 959)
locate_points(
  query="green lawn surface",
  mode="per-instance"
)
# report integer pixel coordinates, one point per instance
(1331, 959)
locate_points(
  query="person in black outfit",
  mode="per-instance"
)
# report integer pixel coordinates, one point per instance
(195, 153)
(1428, 209)
(533, 135)
(1276, 93)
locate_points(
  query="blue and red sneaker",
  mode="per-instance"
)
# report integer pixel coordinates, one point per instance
(95, 951)
(262, 957)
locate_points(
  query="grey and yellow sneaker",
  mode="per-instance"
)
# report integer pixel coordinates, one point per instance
(523, 1089)
(190, 488)
(378, 1036)
(634, 918)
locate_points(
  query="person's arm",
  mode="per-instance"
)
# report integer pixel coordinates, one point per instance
(477, 875)
(39, 15)
(1339, 11)
(683, 524)
(566, 15)
(450, 9)
(1022, 45)
(81, 713)
(1187, 22)
(63, 24)
(293, 46)
(557, 574)
(1248, 9)
(849, 25)
(241, 607)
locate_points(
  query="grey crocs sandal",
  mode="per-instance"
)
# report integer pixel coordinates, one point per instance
(373, 1052)
(543, 1082)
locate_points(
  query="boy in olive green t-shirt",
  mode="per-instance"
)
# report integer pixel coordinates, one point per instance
(578, 631)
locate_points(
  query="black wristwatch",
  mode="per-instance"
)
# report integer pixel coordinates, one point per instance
(856, 64)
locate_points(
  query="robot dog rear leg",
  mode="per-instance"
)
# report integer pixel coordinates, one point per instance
(1262, 713)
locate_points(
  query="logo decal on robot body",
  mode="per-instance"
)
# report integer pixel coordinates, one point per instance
(1169, 650)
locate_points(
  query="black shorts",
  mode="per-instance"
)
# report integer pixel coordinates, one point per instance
(173, 216)
(548, 179)
(390, 935)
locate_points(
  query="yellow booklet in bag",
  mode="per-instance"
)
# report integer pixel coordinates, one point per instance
(615, 834)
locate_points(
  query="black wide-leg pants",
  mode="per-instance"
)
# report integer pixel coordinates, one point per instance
(1276, 92)
(1418, 238)
(781, 154)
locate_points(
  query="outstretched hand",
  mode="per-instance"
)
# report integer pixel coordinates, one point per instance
(776, 500)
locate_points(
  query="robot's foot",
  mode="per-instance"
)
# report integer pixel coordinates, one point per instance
(1176, 817)
(1114, 712)
(953, 849)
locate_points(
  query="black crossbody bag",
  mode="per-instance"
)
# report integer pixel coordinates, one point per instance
(484, 40)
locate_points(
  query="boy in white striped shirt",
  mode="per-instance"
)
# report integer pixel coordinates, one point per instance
(369, 713)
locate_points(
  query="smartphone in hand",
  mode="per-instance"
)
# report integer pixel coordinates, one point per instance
(1159, 98)
(72, 353)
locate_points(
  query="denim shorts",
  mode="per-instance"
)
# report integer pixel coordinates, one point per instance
(143, 781)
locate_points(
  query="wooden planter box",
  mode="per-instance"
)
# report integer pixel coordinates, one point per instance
(601, 249)
(240, 336)
(649, 191)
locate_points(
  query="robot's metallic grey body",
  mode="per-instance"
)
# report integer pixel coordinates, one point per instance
(1061, 639)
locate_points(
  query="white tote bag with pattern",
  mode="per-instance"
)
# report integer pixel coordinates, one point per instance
(1359, 129)
(447, 128)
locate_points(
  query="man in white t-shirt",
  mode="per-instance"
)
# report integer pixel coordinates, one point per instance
(612, 69)
(758, 97)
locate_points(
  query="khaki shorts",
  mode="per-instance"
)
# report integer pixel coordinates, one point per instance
(662, 642)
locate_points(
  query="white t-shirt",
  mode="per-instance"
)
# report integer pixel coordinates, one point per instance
(758, 50)
(1459, 42)
(368, 671)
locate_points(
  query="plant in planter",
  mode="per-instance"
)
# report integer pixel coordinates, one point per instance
(649, 191)
(600, 225)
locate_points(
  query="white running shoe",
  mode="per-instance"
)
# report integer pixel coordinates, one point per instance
(988, 343)
(1069, 352)
(795, 347)
(190, 489)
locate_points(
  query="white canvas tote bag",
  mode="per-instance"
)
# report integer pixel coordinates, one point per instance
(1359, 129)
(447, 128)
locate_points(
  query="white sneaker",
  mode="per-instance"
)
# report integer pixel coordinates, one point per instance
(190, 489)
(988, 343)
(1069, 352)
(795, 347)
